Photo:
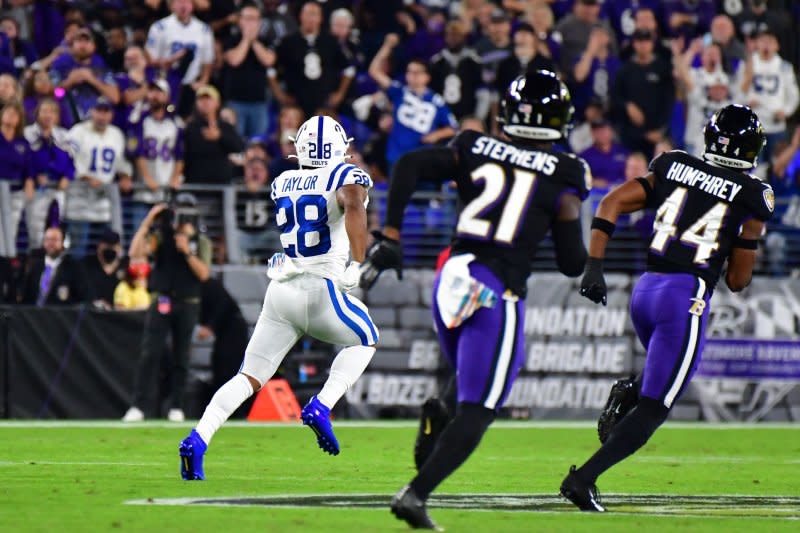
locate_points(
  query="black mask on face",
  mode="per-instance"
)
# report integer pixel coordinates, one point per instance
(109, 255)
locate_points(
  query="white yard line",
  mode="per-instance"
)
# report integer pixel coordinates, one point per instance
(35, 462)
(377, 424)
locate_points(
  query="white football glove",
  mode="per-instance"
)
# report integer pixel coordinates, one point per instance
(350, 277)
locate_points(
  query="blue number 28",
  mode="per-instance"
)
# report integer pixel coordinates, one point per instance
(298, 214)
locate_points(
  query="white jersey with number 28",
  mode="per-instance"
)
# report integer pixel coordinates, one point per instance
(311, 220)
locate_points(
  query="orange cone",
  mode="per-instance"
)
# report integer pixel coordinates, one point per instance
(275, 402)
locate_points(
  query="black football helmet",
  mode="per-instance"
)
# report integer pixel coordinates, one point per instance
(734, 137)
(536, 106)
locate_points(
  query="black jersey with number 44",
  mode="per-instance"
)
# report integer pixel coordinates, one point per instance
(700, 210)
(509, 195)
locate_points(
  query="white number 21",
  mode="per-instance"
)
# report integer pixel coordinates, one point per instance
(494, 178)
(702, 234)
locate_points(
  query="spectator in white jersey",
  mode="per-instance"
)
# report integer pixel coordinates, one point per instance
(98, 151)
(184, 46)
(769, 86)
(707, 90)
(155, 145)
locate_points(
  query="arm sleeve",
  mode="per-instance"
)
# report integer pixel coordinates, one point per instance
(792, 91)
(207, 50)
(179, 145)
(154, 45)
(429, 164)
(764, 201)
(446, 117)
(570, 250)
(229, 139)
(351, 175)
(395, 92)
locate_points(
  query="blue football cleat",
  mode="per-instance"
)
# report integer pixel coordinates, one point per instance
(191, 450)
(318, 417)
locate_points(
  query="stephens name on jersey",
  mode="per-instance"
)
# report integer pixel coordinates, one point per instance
(700, 210)
(510, 195)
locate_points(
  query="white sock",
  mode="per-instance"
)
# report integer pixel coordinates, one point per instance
(348, 366)
(225, 401)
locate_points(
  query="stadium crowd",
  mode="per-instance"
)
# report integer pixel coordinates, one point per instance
(137, 99)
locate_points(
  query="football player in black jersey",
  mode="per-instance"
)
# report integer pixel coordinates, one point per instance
(709, 210)
(512, 191)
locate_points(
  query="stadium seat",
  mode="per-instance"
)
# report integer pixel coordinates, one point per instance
(393, 338)
(414, 318)
(384, 317)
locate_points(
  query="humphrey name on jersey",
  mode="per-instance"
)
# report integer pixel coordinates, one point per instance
(538, 161)
(714, 185)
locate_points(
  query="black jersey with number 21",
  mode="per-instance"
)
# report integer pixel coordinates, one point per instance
(509, 195)
(700, 211)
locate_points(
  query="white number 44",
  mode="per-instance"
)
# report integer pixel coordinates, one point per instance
(702, 234)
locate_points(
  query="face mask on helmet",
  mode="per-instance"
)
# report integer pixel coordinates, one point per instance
(319, 142)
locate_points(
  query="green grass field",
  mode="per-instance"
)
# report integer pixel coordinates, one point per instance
(64, 477)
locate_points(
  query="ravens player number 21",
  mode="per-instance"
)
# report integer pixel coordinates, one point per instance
(514, 191)
(708, 211)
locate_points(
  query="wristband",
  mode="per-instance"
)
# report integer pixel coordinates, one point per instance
(603, 225)
(747, 244)
(594, 263)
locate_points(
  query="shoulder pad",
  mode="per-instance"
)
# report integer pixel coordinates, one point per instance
(348, 174)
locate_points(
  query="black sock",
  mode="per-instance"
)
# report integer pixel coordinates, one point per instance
(628, 436)
(458, 440)
(449, 396)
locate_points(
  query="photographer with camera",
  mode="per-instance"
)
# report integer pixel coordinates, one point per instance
(181, 257)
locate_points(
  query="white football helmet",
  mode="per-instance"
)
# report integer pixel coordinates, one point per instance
(321, 141)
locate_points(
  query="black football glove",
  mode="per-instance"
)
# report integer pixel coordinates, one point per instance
(593, 284)
(384, 254)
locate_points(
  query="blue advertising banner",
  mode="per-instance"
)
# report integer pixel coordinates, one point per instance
(751, 359)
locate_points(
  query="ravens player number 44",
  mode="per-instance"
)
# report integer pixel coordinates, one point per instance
(708, 211)
(514, 191)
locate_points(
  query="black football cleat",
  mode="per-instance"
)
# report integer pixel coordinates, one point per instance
(406, 505)
(582, 494)
(432, 421)
(622, 399)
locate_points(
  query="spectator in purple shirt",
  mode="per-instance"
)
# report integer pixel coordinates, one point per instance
(688, 18)
(133, 86)
(84, 75)
(15, 159)
(22, 52)
(51, 166)
(39, 87)
(605, 157)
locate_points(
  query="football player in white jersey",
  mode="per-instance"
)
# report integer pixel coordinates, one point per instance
(321, 212)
